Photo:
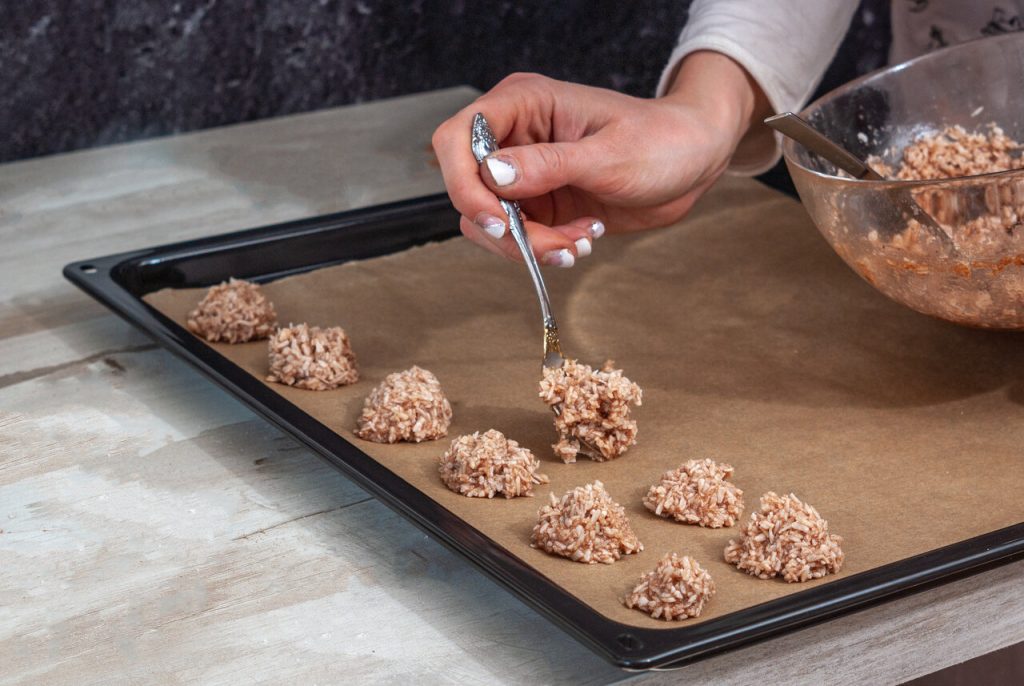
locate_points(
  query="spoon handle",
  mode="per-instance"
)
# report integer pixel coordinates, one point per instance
(484, 144)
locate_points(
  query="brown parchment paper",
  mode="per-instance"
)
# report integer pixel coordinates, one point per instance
(754, 344)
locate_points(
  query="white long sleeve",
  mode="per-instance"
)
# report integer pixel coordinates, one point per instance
(785, 45)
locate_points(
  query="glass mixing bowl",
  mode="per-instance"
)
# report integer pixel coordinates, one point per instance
(953, 249)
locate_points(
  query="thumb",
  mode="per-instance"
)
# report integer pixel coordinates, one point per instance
(527, 171)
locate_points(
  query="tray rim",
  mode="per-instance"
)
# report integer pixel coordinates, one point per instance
(626, 646)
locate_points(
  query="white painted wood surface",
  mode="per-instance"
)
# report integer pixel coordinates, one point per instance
(153, 530)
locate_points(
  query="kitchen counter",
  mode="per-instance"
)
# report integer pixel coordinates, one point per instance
(154, 530)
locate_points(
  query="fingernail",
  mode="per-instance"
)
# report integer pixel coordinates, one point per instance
(492, 226)
(583, 247)
(503, 171)
(597, 229)
(560, 258)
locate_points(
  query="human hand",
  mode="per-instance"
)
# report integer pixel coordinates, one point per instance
(580, 159)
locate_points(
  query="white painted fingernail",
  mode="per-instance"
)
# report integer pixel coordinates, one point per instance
(560, 258)
(493, 226)
(503, 172)
(597, 229)
(583, 247)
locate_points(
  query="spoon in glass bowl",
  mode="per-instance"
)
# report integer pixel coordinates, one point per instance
(794, 126)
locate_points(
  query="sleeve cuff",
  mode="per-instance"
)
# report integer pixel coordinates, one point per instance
(769, 81)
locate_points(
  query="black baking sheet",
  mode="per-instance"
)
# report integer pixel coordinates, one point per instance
(266, 254)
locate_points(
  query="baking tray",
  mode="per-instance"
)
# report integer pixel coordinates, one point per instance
(120, 281)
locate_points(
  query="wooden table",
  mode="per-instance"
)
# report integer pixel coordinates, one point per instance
(154, 530)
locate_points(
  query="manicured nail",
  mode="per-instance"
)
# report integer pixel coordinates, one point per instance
(560, 258)
(493, 226)
(597, 229)
(503, 171)
(583, 247)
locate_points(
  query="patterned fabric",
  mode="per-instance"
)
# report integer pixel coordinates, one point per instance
(756, 35)
(919, 26)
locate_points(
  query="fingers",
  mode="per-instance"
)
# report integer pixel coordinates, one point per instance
(476, 234)
(529, 171)
(521, 109)
(583, 232)
(557, 246)
(460, 170)
(520, 102)
(551, 246)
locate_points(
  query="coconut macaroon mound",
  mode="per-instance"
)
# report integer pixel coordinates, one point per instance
(312, 358)
(483, 465)
(592, 410)
(406, 406)
(786, 538)
(678, 588)
(585, 525)
(235, 311)
(697, 492)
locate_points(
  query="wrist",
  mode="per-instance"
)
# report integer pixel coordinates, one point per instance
(722, 90)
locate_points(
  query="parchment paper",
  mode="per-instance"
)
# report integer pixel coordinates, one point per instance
(754, 345)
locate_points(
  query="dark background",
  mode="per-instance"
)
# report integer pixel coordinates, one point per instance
(80, 73)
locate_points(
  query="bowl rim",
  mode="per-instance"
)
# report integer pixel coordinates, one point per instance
(789, 145)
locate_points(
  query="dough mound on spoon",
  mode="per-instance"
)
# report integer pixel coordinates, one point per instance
(595, 410)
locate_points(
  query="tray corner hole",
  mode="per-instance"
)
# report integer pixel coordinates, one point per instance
(629, 642)
(88, 269)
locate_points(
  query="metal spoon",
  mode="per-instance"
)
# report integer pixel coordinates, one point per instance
(484, 144)
(793, 126)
